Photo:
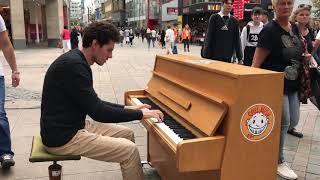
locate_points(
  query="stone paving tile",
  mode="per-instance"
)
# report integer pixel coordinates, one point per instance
(312, 177)
(313, 169)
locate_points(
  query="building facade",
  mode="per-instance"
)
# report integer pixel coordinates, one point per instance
(34, 21)
(143, 13)
(75, 10)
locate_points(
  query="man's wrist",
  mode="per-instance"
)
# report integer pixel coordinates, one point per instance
(15, 72)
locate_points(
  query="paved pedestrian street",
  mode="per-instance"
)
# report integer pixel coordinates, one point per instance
(129, 69)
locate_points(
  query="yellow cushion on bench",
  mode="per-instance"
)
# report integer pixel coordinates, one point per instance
(39, 154)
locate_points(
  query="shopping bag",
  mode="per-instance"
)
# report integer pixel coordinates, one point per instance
(315, 86)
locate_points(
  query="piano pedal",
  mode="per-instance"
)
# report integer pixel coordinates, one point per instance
(145, 163)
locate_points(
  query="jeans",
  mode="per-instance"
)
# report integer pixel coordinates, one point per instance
(5, 141)
(290, 118)
(186, 44)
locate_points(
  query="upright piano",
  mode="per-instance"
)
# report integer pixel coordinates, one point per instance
(221, 120)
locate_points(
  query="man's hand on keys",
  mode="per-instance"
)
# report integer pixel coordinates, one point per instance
(137, 107)
(157, 114)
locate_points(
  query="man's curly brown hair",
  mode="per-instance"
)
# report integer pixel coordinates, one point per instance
(102, 32)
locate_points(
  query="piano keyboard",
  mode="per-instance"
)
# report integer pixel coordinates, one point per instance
(174, 130)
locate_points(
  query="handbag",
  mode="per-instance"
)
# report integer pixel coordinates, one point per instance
(315, 84)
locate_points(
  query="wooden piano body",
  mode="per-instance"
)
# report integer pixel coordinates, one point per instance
(221, 104)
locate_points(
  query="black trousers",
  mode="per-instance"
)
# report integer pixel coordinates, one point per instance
(248, 55)
(186, 44)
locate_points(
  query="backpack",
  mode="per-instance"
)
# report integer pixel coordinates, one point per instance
(248, 31)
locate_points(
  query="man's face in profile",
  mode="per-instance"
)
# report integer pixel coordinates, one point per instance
(103, 53)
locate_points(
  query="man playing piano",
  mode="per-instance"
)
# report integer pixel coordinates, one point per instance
(68, 96)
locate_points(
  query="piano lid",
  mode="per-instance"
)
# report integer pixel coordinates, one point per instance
(195, 106)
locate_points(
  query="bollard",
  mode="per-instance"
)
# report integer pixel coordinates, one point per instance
(55, 171)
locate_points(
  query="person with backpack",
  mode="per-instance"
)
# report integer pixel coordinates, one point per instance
(250, 36)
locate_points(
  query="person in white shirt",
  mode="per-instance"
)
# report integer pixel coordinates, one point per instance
(6, 154)
(250, 36)
(153, 36)
(169, 38)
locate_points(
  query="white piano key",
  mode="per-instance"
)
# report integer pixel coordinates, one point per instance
(164, 128)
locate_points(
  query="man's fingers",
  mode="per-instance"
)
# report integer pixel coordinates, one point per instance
(145, 106)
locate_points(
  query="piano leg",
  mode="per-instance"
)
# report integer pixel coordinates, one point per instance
(145, 163)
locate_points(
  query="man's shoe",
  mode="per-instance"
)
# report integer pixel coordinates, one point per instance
(294, 132)
(7, 161)
(286, 172)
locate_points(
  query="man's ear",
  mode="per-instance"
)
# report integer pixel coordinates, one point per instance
(94, 43)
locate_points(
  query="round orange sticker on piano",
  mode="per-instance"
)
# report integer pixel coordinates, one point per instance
(257, 122)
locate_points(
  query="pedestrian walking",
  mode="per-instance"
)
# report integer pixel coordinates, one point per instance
(162, 39)
(153, 37)
(176, 39)
(186, 37)
(65, 35)
(148, 37)
(223, 35)
(74, 38)
(169, 39)
(121, 32)
(6, 153)
(131, 37)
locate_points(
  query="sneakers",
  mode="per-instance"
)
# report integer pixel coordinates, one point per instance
(286, 172)
(295, 133)
(7, 161)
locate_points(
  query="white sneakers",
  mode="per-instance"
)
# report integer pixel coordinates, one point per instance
(286, 172)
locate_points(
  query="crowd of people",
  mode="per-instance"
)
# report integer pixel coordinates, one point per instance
(166, 39)
(287, 44)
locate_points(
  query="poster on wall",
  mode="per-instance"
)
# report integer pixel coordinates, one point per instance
(238, 9)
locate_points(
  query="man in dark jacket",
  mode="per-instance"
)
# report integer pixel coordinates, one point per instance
(68, 97)
(223, 36)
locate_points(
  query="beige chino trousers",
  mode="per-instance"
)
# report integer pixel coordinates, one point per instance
(105, 142)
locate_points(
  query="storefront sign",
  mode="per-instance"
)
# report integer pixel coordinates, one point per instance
(202, 8)
(214, 7)
(172, 10)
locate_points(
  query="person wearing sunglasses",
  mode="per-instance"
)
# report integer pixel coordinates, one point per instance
(302, 28)
(279, 49)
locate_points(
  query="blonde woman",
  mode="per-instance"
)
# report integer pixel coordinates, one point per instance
(279, 49)
(301, 27)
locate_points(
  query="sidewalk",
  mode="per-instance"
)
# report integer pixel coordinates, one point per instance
(130, 68)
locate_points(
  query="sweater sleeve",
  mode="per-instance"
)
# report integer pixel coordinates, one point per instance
(79, 87)
(238, 42)
(243, 38)
(207, 50)
(112, 104)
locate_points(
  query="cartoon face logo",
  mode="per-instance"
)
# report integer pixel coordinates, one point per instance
(257, 122)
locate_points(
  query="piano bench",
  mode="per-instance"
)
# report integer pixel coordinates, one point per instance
(39, 154)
